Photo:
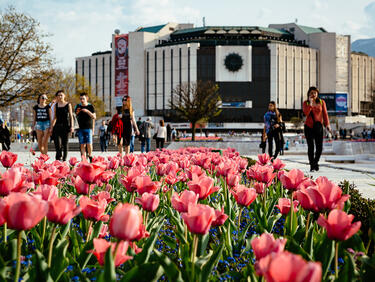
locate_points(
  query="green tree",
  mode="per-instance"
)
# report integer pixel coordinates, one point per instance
(25, 63)
(196, 102)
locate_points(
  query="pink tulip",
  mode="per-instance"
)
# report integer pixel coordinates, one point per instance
(263, 159)
(278, 164)
(145, 184)
(220, 217)
(103, 195)
(284, 205)
(292, 179)
(89, 173)
(93, 210)
(101, 246)
(331, 192)
(233, 179)
(181, 203)
(73, 161)
(203, 186)
(259, 187)
(3, 206)
(13, 181)
(7, 159)
(261, 173)
(129, 160)
(23, 211)
(199, 218)
(266, 244)
(62, 210)
(339, 225)
(149, 202)
(106, 176)
(194, 169)
(285, 267)
(128, 181)
(311, 199)
(82, 188)
(47, 192)
(244, 196)
(126, 222)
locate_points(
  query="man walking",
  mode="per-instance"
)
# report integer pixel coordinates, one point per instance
(85, 115)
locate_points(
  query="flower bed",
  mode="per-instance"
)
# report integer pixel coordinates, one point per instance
(193, 214)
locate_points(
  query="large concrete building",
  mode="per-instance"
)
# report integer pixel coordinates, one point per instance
(251, 65)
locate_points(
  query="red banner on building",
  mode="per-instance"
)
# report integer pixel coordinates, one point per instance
(121, 67)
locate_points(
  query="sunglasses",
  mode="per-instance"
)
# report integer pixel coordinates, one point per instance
(43, 98)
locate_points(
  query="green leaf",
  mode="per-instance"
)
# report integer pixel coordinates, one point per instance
(347, 272)
(66, 230)
(308, 246)
(170, 268)
(109, 273)
(355, 242)
(145, 272)
(202, 244)
(40, 271)
(59, 259)
(207, 268)
(325, 254)
(294, 247)
(149, 245)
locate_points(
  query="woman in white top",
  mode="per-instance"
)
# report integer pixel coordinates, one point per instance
(161, 135)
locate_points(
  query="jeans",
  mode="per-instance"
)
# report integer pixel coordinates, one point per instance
(147, 142)
(103, 143)
(314, 135)
(132, 138)
(60, 138)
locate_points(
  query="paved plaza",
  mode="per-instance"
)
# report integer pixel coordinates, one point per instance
(359, 172)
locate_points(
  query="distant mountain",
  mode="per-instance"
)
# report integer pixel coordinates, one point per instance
(364, 45)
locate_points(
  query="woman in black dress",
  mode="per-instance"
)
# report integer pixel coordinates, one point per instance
(62, 125)
(128, 122)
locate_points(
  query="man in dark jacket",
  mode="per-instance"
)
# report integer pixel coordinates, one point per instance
(4, 136)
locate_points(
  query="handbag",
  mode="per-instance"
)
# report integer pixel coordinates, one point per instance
(154, 137)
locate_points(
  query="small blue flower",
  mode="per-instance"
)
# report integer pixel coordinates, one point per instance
(75, 278)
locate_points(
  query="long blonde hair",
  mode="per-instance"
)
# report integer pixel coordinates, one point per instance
(129, 106)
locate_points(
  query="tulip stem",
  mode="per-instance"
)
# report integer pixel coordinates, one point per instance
(5, 232)
(88, 231)
(146, 218)
(239, 219)
(18, 266)
(291, 213)
(307, 225)
(50, 247)
(44, 230)
(337, 260)
(193, 255)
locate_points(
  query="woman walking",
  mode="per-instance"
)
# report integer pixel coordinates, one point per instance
(62, 125)
(161, 134)
(316, 114)
(128, 122)
(42, 122)
(272, 129)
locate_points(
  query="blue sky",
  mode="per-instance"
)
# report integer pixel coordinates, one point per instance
(81, 27)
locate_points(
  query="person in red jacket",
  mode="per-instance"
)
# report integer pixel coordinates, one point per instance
(316, 114)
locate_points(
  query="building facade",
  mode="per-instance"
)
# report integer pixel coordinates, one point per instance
(251, 65)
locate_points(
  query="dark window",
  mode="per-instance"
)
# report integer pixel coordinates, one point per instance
(163, 79)
(171, 77)
(156, 81)
(147, 80)
(103, 73)
(188, 66)
(96, 76)
(179, 68)
(110, 83)
(89, 71)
